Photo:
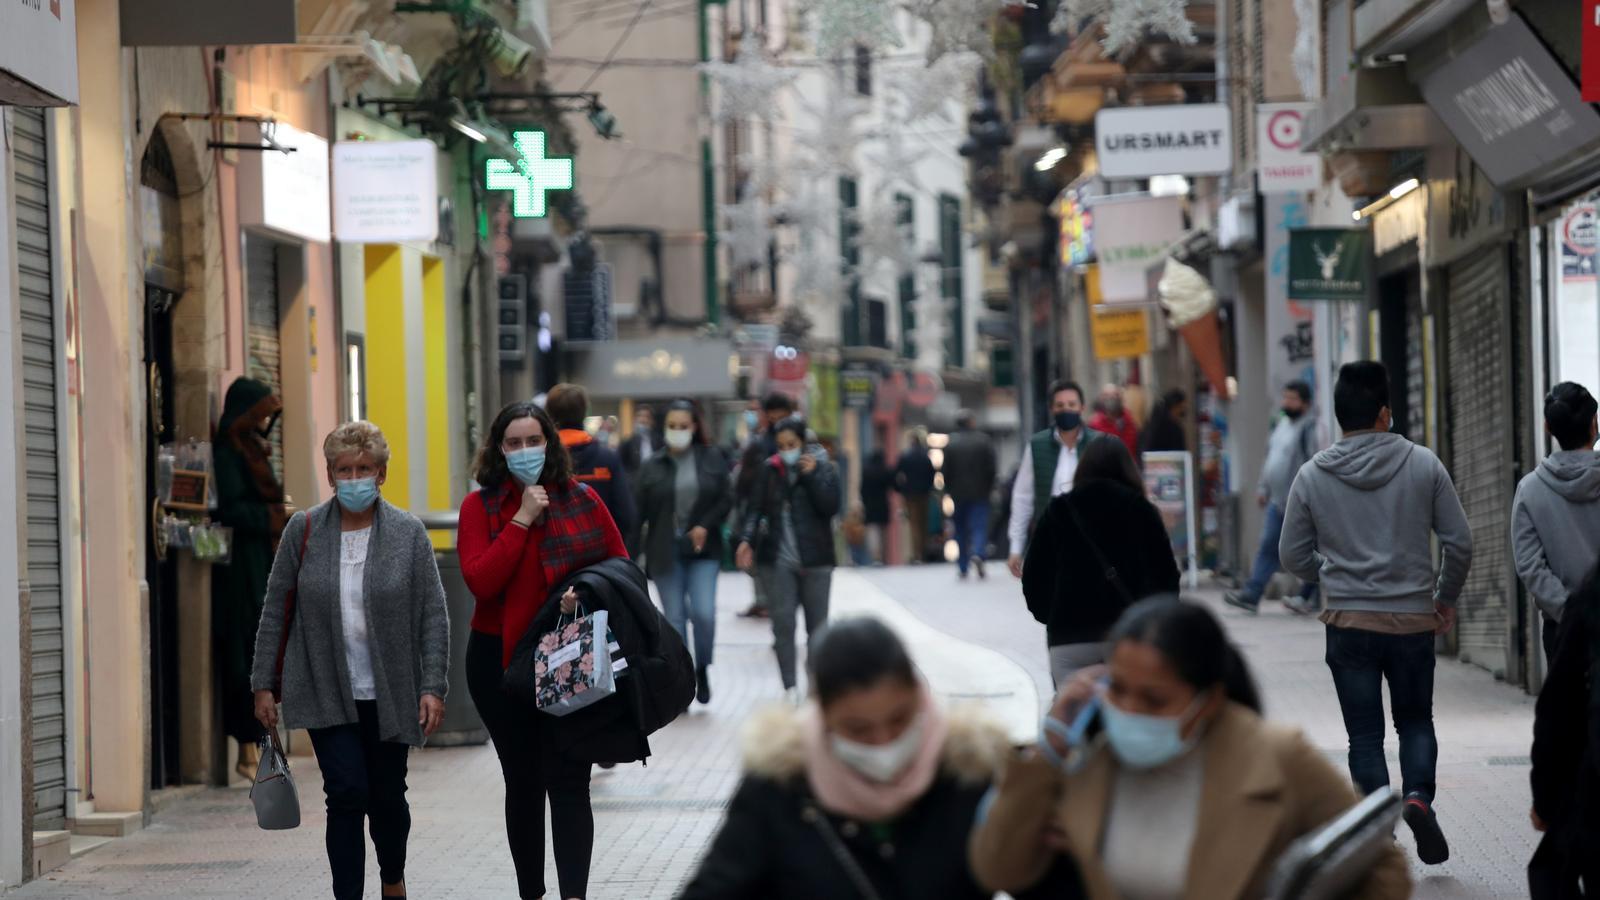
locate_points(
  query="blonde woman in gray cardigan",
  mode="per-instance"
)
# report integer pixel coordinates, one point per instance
(362, 661)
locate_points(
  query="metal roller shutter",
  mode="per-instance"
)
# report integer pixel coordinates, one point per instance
(266, 355)
(1483, 461)
(48, 711)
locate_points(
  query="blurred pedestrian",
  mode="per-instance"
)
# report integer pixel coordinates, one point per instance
(643, 444)
(787, 539)
(1111, 417)
(1096, 551)
(525, 531)
(1566, 757)
(913, 481)
(970, 468)
(876, 482)
(361, 658)
(1361, 517)
(686, 498)
(1166, 431)
(1178, 788)
(1294, 440)
(593, 462)
(250, 500)
(1555, 518)
(1049, 461)
(761, 446)
(869, 790)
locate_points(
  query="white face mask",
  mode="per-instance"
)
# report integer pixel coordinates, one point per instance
(679, 438)
(882, 763)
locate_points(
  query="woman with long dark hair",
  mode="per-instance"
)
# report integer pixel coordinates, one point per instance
(529, 527)
(684, 500)
(1096, 550)
(1175, 787)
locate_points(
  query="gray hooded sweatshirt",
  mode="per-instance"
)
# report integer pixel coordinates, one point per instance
(1555, 527)
(1360, 517)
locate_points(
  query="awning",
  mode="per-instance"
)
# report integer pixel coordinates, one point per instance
(1512, 106)
(1370, 109)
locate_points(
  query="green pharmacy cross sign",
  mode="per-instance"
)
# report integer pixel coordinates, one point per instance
(530, 177)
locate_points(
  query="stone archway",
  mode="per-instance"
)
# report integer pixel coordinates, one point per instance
(180, 231)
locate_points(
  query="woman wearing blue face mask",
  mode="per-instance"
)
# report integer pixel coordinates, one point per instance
(787, 538)
(355, 637)
(529, 527)
(1175, 786)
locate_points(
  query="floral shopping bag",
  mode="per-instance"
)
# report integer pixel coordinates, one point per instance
(572, 666)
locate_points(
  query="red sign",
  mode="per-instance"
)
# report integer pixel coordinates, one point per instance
(1591, 51)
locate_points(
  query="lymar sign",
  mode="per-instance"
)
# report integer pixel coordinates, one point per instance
(1328, 264)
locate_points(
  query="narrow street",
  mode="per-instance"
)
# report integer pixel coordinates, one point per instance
(974, 640)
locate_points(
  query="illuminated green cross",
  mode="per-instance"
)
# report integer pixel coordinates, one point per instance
(531, 177)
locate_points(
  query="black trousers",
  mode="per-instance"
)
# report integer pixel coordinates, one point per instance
(533, 770)
(364, 780)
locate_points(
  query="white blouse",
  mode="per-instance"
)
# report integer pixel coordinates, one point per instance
(353, 612)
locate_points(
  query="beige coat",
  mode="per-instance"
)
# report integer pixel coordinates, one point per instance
(1265, 786)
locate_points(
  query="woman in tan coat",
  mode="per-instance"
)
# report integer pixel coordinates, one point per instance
(1177, 789)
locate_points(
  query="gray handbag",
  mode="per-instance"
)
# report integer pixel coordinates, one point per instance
(276, 800)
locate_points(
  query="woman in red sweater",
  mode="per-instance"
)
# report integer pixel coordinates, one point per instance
(528, 528)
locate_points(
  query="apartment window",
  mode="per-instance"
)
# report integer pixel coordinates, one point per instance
(951, 280)
(863, 70)
(850, 331)
(906, 215)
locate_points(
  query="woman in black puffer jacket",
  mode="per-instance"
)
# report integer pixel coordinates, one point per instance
(1097, 549)
(787, 539)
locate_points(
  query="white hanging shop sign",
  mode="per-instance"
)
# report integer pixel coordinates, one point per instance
(385, 192)
(1145, 141)
(286, 193)
(39, 53)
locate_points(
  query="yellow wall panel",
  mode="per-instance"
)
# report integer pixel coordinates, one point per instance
(386, 364)
(435, 331)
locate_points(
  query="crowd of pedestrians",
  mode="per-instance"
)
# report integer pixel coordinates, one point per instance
(1156, 775)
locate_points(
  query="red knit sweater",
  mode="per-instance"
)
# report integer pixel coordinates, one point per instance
(506, 575)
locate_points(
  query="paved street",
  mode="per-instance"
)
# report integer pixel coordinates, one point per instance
(974, 640)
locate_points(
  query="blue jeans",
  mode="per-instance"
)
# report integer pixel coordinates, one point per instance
(972, 530)
(1360, 662)
(689, 595)
(1267, 563)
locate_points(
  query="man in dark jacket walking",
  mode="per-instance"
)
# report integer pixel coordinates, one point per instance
(913, 481)
(876, 482)
(970, 468)
(593, 463)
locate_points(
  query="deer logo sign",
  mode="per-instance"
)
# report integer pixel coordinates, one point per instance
(1328, 261)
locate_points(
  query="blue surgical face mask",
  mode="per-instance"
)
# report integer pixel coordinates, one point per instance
(1147, 742)
(789, 457)
(526, 464)
(752, 419)
(357, 494)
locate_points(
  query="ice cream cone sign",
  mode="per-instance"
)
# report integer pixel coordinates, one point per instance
(1191, 307)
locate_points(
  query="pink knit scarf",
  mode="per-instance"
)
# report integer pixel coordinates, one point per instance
(844, 792)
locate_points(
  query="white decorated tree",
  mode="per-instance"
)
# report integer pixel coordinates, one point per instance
(1125, 21)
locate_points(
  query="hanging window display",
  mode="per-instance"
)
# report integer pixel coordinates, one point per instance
(1576, 313)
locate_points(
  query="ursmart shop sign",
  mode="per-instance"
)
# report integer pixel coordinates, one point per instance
(1142, 142)
(1328, 263)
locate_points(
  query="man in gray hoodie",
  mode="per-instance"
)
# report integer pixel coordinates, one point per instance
(1555, 518)
(1360, 519)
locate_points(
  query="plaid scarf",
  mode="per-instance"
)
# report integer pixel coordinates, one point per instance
(574, 532)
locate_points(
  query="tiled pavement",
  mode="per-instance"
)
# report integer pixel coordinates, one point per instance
(652, 822)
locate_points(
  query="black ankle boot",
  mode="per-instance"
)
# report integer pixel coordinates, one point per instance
(703, 680)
